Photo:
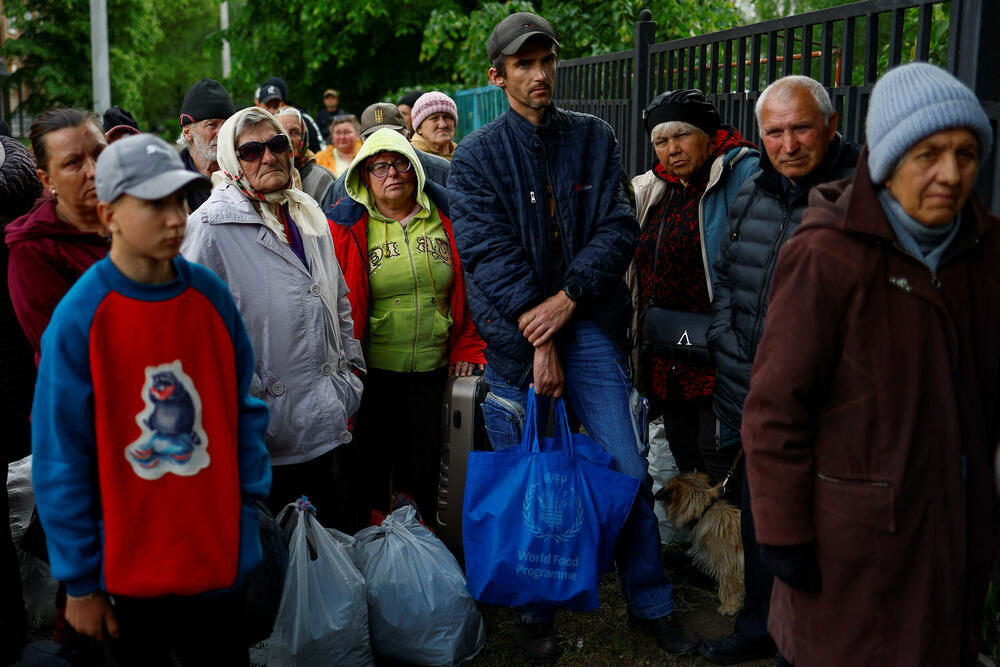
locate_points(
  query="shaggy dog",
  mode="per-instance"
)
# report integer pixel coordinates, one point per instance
(716, 547)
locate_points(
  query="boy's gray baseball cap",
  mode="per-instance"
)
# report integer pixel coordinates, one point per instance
(143, 166)
(510, 34)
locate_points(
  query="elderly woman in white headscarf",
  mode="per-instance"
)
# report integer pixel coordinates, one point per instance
(271, 244)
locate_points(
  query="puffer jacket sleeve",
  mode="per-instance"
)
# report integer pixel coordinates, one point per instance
(489, 243)
(604, 258)
(723, 343)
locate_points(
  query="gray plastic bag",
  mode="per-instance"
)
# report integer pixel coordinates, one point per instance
(38, 586)
(418, 608)
(323, 617)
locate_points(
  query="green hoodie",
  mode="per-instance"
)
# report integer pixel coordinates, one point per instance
(410, 274)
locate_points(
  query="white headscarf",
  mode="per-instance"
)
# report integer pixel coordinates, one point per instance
(304, 211)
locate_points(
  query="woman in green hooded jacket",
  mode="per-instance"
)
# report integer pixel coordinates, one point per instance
(393, 238)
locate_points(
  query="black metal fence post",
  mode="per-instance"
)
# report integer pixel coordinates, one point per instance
(645, 34)
(853, 54)
(973, 51)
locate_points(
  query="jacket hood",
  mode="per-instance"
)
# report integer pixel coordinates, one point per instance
(41, 221)
(377, 142)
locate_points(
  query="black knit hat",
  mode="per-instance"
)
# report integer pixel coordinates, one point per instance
(206, 99)
(689, 106)
(410, 98)
(118, 121)
(19, 184)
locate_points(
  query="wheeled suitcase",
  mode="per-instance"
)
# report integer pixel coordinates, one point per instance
(463, 430)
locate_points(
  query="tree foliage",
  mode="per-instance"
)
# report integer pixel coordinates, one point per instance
(585, 28)
(361, 48)
(155, 49)
(367, 50)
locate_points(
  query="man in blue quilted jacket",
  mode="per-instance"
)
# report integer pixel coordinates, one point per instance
(545, 234)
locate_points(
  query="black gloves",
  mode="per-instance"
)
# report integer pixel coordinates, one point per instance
(796, 565)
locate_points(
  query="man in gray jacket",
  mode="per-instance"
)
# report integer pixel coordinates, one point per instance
(802, 149)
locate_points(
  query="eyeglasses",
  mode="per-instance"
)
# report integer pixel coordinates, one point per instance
(252, 151)
(381, 169)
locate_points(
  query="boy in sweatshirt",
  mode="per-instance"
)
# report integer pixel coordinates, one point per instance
(148, 451)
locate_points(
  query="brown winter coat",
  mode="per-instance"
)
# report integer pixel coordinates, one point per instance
(870, 428)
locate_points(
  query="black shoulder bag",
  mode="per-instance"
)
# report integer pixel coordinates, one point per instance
(673, 334)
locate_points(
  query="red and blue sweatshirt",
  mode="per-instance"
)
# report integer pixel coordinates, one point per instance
(148, 450)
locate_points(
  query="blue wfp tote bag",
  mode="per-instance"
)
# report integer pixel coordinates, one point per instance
(539, 525)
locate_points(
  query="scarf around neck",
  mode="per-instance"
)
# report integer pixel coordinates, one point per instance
(925, 243)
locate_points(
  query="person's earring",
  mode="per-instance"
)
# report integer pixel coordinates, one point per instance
(54, 195)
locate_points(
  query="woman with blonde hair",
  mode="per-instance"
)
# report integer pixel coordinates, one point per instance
(345, 142)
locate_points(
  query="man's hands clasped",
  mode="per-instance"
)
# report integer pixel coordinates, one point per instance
(539, 325)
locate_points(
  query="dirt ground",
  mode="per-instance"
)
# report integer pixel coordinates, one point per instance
(603, 636)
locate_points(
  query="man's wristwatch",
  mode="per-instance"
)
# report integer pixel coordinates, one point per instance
(573, 291)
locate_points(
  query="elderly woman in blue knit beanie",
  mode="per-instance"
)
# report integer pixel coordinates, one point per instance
(872, 422)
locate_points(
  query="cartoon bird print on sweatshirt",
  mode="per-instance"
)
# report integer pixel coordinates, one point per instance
(172, 438)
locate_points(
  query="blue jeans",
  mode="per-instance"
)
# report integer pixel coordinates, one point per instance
(600, 390)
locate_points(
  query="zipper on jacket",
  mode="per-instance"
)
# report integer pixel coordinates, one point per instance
(864, 482)
(416, 302)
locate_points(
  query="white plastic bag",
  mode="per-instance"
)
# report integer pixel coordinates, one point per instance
(418, 608)
(323, 617)
(662, 468)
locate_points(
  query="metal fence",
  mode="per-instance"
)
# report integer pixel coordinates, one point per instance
(846, 48)
(478, 106)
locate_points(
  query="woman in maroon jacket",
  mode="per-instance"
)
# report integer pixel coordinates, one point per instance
(55, 242)
(872, 421)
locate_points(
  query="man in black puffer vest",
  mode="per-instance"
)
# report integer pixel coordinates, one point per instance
(802, 149)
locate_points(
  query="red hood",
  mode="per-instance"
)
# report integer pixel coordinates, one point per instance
(41, 221)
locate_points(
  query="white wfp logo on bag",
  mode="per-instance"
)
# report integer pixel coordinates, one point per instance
(550, 513)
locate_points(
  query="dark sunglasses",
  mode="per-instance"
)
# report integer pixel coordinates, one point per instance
(381, 169)
(252, 151)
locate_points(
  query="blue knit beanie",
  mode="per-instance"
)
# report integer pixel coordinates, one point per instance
(912, 102)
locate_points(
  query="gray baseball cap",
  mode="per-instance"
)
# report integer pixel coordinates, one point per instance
(143, 166)
(510, 34)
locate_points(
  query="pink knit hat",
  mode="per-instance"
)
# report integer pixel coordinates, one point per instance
(432, 102)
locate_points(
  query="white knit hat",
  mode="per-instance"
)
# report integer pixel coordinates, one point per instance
(432, 102)
(912, 102)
